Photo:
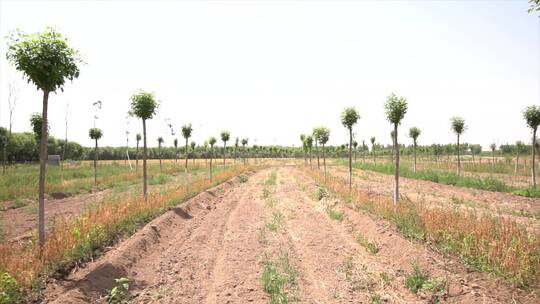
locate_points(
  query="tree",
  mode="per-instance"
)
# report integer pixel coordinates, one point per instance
(458, 127)
(475, 150)
(493, 147)
(236, 143)
(175, 144)
(395, 109)
(309, 144)
(372, 140)
(144, 106)
(36, 121)
(304, 147)
(531, 115)
(138, 139)
(95, 134)
(316, 136)
(520, 146)
(4, 142)
(414, 132)
(534, 6)
(323, 134)
(225, 136)
(160, 142)
(193, 145)
(349, 117)
(244, 143)
(355, 146)
(212, 142)
(13, 94)
(47, 61)
(186, 133)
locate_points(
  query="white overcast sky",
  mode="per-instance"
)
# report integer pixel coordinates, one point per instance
(272, 70)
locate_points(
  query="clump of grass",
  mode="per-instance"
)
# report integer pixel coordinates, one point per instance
(159, 179)
(494, 244)
(10, 290)
(358, 278)
(321, 193)
(420, 281)
(242, 178)
(279, 279)
(272, 179)
(375, 299)
(276, 223)
(334, 214)
(416, 280)
(371, 247)
(120, 292)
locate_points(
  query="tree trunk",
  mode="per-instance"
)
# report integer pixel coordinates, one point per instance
(350, 159)
(458, 158)
(145, 156)
(324, 162)
(4, 156)
(224, 151)
(95, 162)
(317, 152)
(533, 167)
(396, 174)
(42, 169)
(186, 153)
(414, 152)
(211, 156)
(159, 152)
(137, 158)
(517, 163)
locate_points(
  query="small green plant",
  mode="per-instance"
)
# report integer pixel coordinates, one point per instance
(385, 277)
(266, 193)
(371, 247)
(416, 280)
(279, 279)
(159, 179)
(272, 179)
(275, 224)
(375, 299)
(242, 178)
(10, 290)
(321, 193)
(334, 214)
(119, 294)
(18, 203)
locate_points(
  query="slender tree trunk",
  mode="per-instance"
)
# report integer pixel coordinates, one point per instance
(137, 158)
(350, 159)
(193, 157)
(373, 152)
(95, 162)
(533, 165)
(4, 157)
(224, 151)
(414, 152)
(324, 162)
(396, 174)
(145, 156)
(159, 151)
(309, 155)
(211, 156)
(317, 152)
(517, 163)
(186, 154)
(42, 171)
(458, 158)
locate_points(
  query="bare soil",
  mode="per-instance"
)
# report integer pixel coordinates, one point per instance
(211, 249)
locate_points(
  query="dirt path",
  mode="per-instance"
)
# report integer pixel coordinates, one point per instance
(217, 248)
(523, 209)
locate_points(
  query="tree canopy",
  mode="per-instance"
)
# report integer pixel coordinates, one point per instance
(225, 136)
(349, 117)
(458, 125)
(395, 108)
(187, 130)
(532, 116)
(414, 132)
(95, 133)
(143, 105)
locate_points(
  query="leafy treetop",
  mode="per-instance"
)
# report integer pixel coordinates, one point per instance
(532, 116)
(322, 134)
(414, 132)
(395, 108)
(138, 137)
(95, 133)
(212, 141)
(458, 125)
(349, 117)
(45, 58)
(187, 130)
(143, 105)
(225, 136)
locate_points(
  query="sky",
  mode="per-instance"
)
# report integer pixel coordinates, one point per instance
(272, 70)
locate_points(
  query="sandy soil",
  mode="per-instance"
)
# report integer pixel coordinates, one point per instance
(523, 209)
(211, 250)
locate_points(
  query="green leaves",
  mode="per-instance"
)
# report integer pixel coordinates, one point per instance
(160, 140)
(321, 134)
(36, 121)
(458, 125)
(45, 58)
(95, 133)
(372, 139)
(531, 115)
(244, 141)
(212, 141)
(225, 136)
(349, 117)
(187, 130)
(414, 132)
(395, 108)
(138, 137)
(143, 105)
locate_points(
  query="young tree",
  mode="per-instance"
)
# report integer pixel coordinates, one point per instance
(205, 149)
(4, 141)
(414, 132)
(395, 109)
(493, 147)
(95, 134)
(458, 127)
(225, 136)
(316, 136)
(186, 133)
(244, 143)
(531, 115)
(212, 142)
(309, 144)
(13, 94)
(138, 139)
(475, 150)
(175, 144)
(355, 146)
(160, 141)
(349, 117)
(304, 147)
(47, 61)
(323, 134)
(372, 140)
(144, 106)
(236, 143)
(193, 145)
(520, 146)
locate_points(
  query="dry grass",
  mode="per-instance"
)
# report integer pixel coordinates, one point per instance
(69, 242)
(487, 243)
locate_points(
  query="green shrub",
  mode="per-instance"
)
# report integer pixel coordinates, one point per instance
(10, 290)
